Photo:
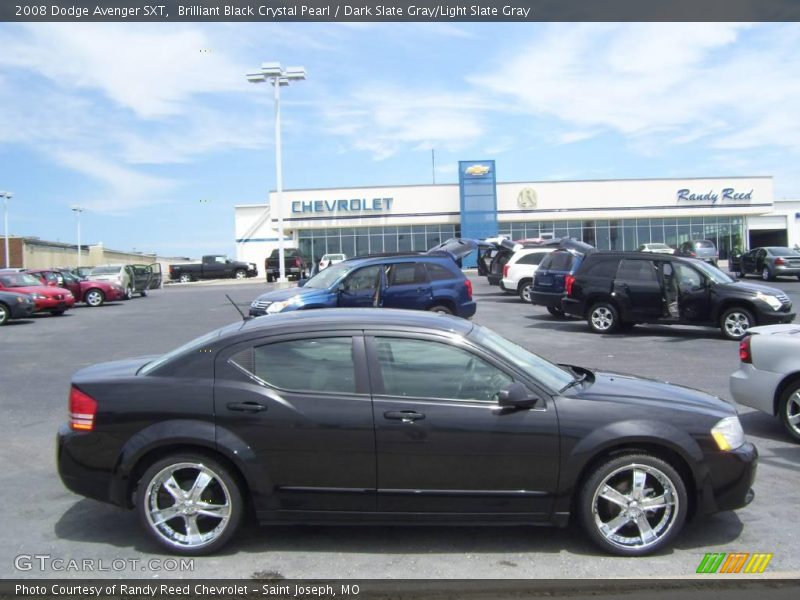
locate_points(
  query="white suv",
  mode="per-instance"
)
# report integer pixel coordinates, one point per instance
(518, 271)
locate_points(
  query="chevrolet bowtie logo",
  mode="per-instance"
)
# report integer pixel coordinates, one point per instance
(476, 170)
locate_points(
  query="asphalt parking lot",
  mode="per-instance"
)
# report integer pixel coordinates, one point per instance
(40, 517)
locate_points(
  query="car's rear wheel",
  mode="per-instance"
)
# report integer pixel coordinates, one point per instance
(189, 504)
(766, 274)
(524, 290)
(790, 410)
(58, 312)
(5, 313)
(633, 504)
(735, 322)
(185, 278)
(128, 293)
(603, 318)
(441, 308)
(94, 297)
(555, 311)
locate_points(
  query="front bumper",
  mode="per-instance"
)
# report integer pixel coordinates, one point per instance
(768, 316)
(21, 310)
(754, 387)
(728, 484)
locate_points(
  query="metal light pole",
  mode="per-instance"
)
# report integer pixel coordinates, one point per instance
(78, 210)
(6, 197)
(278, 76)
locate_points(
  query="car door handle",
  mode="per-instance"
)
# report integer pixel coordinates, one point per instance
(246, 406)
(406, 416)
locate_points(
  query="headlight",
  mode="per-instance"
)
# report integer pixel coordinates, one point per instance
(23, 299)
(728, 433)
(774, 303)
(277, 307)
(39, 296)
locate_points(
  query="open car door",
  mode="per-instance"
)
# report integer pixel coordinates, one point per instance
(155, 276)
(141, 275)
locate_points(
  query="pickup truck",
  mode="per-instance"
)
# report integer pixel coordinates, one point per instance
(213, 266)
(295, 264)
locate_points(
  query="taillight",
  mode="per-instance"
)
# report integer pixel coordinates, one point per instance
(780, 261)
(297, 262)
(744, 351)
(692, 254)
(82, 410)
(469, 288)
(568, 281)
(505, 271)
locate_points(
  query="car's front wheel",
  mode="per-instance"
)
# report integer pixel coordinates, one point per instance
(603, 318)
(128, 293)
(735, 322)
(240, 274)
(94, 298)
(633, 504)
(790, 410)
(189, 504)
(5, 313)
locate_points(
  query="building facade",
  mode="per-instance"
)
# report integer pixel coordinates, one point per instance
(608, 214)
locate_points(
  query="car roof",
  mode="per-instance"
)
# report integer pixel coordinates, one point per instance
(400, 256)
(351, 318)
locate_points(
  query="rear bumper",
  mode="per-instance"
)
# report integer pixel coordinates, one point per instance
(508, 285)
(786, 271)
(754, 387)
(467, 309)
(729, 482)
(72, 448)
(550, 299)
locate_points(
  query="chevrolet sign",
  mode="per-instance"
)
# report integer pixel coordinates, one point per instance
(476, 170)
(349, 205)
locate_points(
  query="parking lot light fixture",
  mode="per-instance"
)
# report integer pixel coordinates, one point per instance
(275, 74)
(78, 210)
(6, 196)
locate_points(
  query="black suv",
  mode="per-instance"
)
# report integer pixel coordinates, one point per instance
(614, 290)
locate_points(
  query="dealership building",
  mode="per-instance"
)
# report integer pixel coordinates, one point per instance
(733, 212)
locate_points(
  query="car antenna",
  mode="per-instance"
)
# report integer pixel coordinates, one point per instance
(239, 310)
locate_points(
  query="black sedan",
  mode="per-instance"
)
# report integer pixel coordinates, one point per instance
(14, 305)
(357, 416)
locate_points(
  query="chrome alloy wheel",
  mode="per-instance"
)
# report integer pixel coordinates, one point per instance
(187, 505)
(736, 324)
(602, 318)
(635, 506)
(792, 416)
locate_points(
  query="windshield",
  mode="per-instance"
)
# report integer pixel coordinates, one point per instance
(19, 280)
(550, 375)
(324, 279)
(712, 272)
(185, 349)
(105, 271)
(782, 251)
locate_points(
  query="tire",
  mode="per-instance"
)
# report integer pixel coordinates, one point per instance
(610, 504)
(143, 293)
(94, 297)
(735, 322)
(767, 275)
(603, 317)
(555, 311)
(58, 312)
(179, 473)
(741, 274)
(240, 274)
(524, 290)
(185, 278)
(441, 308)
(5, 314)
(789, 410)
(128, 293)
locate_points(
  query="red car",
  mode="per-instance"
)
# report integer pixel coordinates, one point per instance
(54, 300)
(93, 293)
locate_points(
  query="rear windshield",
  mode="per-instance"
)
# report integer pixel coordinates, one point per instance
(703, 244)
(557, 261)
(781, 251)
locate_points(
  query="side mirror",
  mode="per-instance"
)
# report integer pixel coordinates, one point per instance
(516, 395)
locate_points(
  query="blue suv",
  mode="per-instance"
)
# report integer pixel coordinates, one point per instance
(549, 280)
(422, 281)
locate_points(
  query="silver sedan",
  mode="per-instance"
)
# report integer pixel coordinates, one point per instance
(768, 378)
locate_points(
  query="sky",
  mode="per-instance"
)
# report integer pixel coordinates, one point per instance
(154, 130)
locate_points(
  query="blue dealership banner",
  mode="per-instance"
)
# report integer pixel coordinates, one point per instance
(477, 191)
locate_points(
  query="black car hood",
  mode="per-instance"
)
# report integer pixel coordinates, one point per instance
(750, 289)
(620, 387)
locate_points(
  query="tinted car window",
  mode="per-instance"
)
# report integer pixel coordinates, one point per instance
(423, 369)
(602, 268)
(317, 365)
(363, 279)
(532, 259)
(557, 261)
(438, 272)
(406, 273)
(687, 276)
(636, 270)
(703, 244)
